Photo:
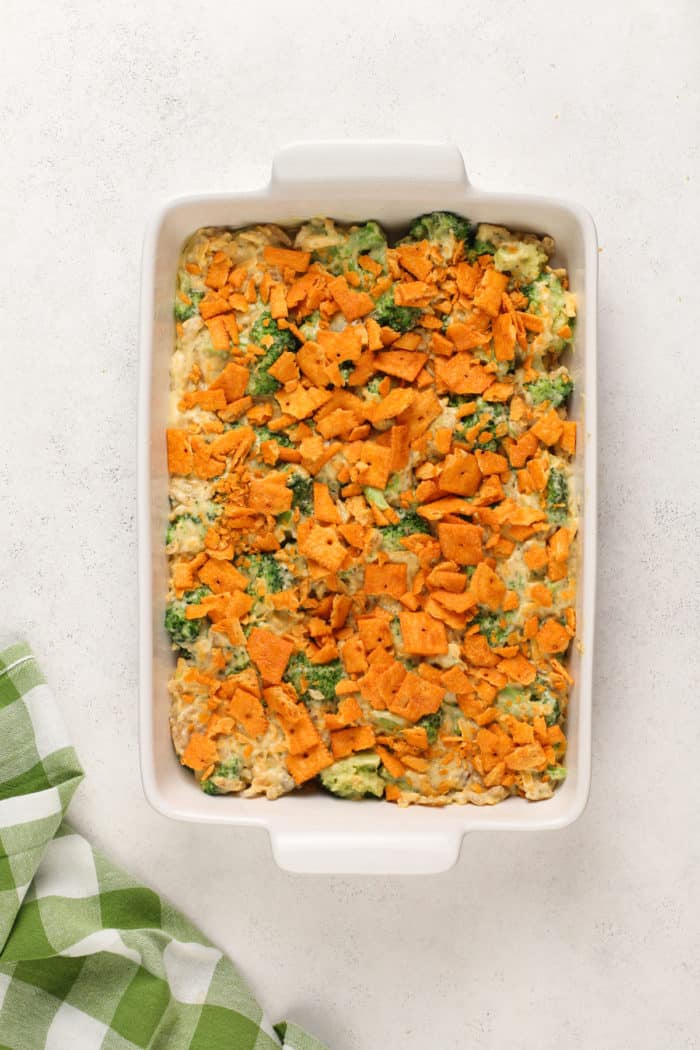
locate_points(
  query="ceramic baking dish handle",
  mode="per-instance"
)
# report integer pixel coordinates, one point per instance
(311, 165)
(365, 853)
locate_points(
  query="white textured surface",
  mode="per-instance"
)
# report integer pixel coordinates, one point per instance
(587, 937)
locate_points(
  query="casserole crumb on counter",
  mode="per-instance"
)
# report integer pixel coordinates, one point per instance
(371, 537)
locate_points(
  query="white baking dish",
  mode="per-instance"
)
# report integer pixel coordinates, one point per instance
(390, 182)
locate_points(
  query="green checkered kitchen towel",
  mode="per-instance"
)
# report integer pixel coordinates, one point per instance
(89, 958)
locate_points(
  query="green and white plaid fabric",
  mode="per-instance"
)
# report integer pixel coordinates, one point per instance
(89, 959)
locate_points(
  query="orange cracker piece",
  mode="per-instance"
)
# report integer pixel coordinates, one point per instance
(461, 543)
(404, 364)
(287, 259)
(200, 752)
(420, 414)
(448, 580)
(357, 738)
(414, 258)
(219, 333)
(531, 322)
(339, 421)
(378, 465)
(247, 710)
(209, 400)
(180, 457)
(568, 436)
(366, 262)
(353, 656)
(345, 345)
(400, 447)
(284, 369)
(440, 345)
(530, 756)
(269, 495)
(213, 304)
(303, 401)
(477, 651)
(487, 587)
(270, 653)
(222, 576)
(349, 711)
(233, 381)
(386, 579)
(321, 544)
(325, 508)
(548, 428)
(491, 463)
(374, 632)
(504, 338)
(456, 681)
(523, 449)
(312, 362)
(462, 375)
(396, 401)
(393, 765)
(304, 767)
(499, 392)
(416, 697)
(352, 304)
(408, 293)
(461, 474)
(278, 301)
(467, 278)
(422, 634)
(466, 336)
(489, 293)
(217, 274)
(552, 637)
(518, 669)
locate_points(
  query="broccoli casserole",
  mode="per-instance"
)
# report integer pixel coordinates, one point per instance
(371, 537)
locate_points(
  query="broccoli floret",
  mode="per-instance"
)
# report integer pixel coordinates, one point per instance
(373, 385)
(431, 724)
(377, 497)
(302, 488)
(555, 773)
(551, 709)
(261, 383)
(480, 247)
(492, 414)
(364, 240)
(409, 523)
(354, 776)
(515, 700)
(309, 329)
(493, 628)
(400, 318)
(225, 771)
(265, 434)
(308, 678)
(346, 369)
(555, 389)
(548, 298)
(557, 496)
(183, 528)
(369, 239)
(183, 311)
(239, 660)
(265, 567)
(437, 225)
(181, 630)
(386, 721)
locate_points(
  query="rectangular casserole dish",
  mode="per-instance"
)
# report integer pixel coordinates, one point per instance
(390, 182)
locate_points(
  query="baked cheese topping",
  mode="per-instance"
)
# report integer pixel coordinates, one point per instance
(371, 538)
